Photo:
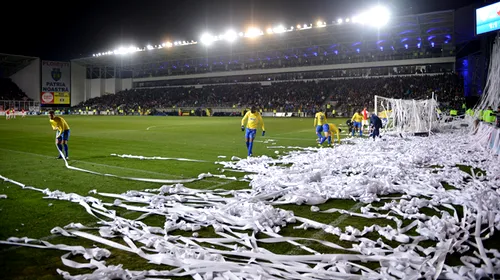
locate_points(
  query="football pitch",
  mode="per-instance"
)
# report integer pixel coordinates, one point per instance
(28, 155)
(190, 146)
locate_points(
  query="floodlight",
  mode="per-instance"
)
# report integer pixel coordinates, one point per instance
(339, 21)
(279, 29)
(269, 30)
(121, 50)
(150, 47)
(230, 36)
(320, 23)
(253, 32)
(133, 49)
(207, 39)
(379, 16)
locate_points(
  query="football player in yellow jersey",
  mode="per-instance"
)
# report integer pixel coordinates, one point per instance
(328, 130)
(319, 121)
(59, 124)
(253, 120)
(357, 119)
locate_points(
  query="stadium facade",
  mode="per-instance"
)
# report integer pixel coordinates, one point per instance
(422, 43)
(416, 41)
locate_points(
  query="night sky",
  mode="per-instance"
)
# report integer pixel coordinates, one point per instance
(71, 29)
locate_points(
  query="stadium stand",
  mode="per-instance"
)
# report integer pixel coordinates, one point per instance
(288, 96)
(360, 72)
(311, 59)
(303, 69)
(10, 91)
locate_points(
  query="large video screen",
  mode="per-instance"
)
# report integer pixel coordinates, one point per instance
(488, 18)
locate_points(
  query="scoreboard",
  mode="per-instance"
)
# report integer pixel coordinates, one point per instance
(488, 19)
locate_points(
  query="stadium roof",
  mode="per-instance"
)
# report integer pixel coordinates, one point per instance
(10, 63)
(424, 30)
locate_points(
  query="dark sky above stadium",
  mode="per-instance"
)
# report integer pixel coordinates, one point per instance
(65, 30)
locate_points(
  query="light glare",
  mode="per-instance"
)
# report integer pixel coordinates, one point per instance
(253, 32)
(279, 29)
(207, 39)
(230, 36)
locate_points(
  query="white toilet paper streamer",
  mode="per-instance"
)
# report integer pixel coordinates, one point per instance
(379, 168)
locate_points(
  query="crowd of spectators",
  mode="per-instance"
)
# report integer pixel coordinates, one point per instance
(345, 95)
(353, 94)
(10, 91)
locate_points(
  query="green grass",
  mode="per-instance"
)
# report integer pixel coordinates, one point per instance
(27, 155)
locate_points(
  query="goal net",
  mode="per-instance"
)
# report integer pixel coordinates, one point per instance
(407, 116)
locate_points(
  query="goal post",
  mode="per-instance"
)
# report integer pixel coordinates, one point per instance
(407, 115)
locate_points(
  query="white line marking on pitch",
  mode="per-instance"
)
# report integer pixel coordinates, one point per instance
(150, 127)
(105, 165)
(322, 233)
(304, 139)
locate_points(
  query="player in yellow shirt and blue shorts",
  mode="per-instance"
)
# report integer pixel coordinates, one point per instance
(357, 120)
(58, 123)
(253, 120)
(319, 121)
(328, 130)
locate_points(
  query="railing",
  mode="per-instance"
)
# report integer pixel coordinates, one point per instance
(18, 105)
